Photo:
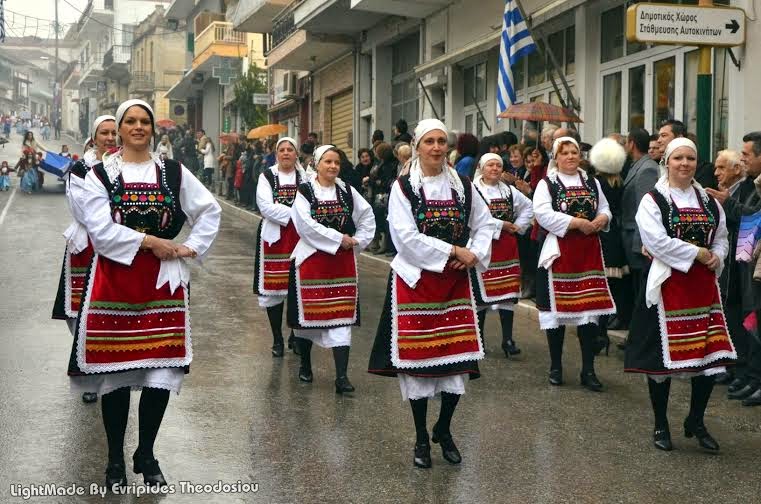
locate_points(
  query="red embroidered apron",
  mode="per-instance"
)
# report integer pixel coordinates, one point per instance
(76, 272)
(275, 259)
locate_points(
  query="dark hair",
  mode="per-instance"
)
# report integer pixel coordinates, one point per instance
(543, 152)
(401, 125)
(377, 135)
(385, 152)
(312, 134)
(467, 145)
(654, 137)
(200, 130)
(641, 139)
(677, 127)
(307, 148)
(754, 137)
(487, 142)
(508, 138)
(362, 151)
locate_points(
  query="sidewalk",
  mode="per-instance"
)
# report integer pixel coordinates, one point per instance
(524, 308)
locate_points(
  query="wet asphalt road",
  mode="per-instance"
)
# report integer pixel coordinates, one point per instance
(244, 416)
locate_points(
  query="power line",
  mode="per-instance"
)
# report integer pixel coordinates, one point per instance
(112, 26)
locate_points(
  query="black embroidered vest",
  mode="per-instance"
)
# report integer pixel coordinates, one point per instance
(333, 214)
(692, 225)
(285, 193)
(79, 168)
(148, 208)
(501, 208)
(576, 201)
(446, 220)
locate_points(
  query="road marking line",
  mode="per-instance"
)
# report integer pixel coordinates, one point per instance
(7, 206)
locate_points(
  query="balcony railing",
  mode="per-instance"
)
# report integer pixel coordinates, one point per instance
(282, 28)
(218, 33)
(118, 54)
(141, 82)
(94, 64)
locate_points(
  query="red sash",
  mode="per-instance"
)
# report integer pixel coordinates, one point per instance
(435, 323)
(127, 323)
(693, 329)
(76, 272)
(577, 278)
(327, 290)
(275, 261)
(502, 280)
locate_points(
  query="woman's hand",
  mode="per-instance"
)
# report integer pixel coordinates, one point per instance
(161, 248)
(462, 256)
(523, 186)
(347, 242)
(508, 178)
(582, 225)
(708, 258)
(185, 251)
(600, 222)
(509, 227)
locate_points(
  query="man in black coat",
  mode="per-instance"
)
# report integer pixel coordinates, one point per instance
(743, 199)
(671, 129)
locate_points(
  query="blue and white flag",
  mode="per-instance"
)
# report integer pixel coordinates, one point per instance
(516, 43)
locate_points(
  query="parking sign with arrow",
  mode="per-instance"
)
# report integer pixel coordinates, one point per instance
(685, 25)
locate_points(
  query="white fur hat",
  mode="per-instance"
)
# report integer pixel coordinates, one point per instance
(607, 156)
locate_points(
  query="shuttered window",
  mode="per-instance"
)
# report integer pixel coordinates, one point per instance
(341, 122)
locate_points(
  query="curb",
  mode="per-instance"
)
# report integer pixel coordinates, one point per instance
(524, 308)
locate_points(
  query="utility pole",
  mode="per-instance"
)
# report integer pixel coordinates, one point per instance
(704, 97)
(57, 91)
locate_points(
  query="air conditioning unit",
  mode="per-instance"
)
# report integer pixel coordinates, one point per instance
(290, 84)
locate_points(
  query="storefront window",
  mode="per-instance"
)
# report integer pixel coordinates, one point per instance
(611, 89)
(663, 90)
(637, 97)
(690, 114)
(612, 34)
(475, 84)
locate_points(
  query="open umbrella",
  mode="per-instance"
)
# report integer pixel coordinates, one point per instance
(228, 137)
(540, 111)
(166, 123)
(266, 131)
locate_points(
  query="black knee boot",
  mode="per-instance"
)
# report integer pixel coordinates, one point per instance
(508, 345)
(555, 339)
(305, 370)
(115, 410)
(659, 399)
(275, 316)
(153, 403)
(603, 340)
(441, 430)
(292, 344)
(588, 340)
(694, 425)
(422, 457)
(482, 327)
(341, 358)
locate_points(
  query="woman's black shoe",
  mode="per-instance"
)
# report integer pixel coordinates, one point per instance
(422, 457)
(305, 375)
(662, 439)
(150, 469)
(343, 385)
(705, 440)
(116, 474)
(510, 348)
(277, 350)
(292, 345)
(89, 397)
(556, 376)
(448, 449)
(589, 381)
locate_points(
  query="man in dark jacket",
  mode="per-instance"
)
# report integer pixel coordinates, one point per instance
(671, 129)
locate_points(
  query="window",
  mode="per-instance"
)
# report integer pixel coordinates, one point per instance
(637, 97)
(612, 34)
(664, 77)
(536, 69)
(690, 112)
(475, 84)
(611, 90)
(404, 86)
(519, 75)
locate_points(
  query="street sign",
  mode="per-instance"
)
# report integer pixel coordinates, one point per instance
(261, 99)
(685, 25)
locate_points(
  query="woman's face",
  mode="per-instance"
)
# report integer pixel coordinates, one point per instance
(432, 148)
(491, 171)
(682, 165)
(494, 149)
(29, 136)
(286, 155)
(328, 168)
(365, 159)
(105, 136)
(568, 158)
(136, 129)
(516, 159)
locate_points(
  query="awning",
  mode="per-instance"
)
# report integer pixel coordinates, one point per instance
(193, 80)
(281, 105)
(471, 49)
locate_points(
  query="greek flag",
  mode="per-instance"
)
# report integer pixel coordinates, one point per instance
(516, 43)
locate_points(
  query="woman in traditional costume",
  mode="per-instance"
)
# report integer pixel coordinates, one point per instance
(27, 169)
(499, 287)
(428, 333)
(334, 224)
(5, 176)
(571, 287)
(79, 252)
(678, 327)
(133, 330)
(277, 236)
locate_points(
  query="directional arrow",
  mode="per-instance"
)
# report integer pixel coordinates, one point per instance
(734, 26)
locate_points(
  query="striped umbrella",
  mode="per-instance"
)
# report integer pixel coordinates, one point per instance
(540, 111)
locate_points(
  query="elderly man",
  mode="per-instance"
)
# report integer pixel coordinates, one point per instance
(672, 129)
(566, 132)
(547, 136)
(738, 200)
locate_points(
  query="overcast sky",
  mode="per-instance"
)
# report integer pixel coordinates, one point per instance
(44, 9)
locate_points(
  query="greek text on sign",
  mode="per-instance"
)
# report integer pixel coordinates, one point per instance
(685, 25)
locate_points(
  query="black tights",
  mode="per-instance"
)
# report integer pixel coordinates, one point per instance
(115, 408)
(587, 339)
(420, 410)
(505, 318)
(275, 316)
(702, 387)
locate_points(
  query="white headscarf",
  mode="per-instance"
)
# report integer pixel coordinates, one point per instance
(97, 122)
(552, 168)
(299, 168)
(90, 157)
(131, 103)
(662, 185)
(320, 151)
(489, 156)
(675, 144)
(416, 171)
